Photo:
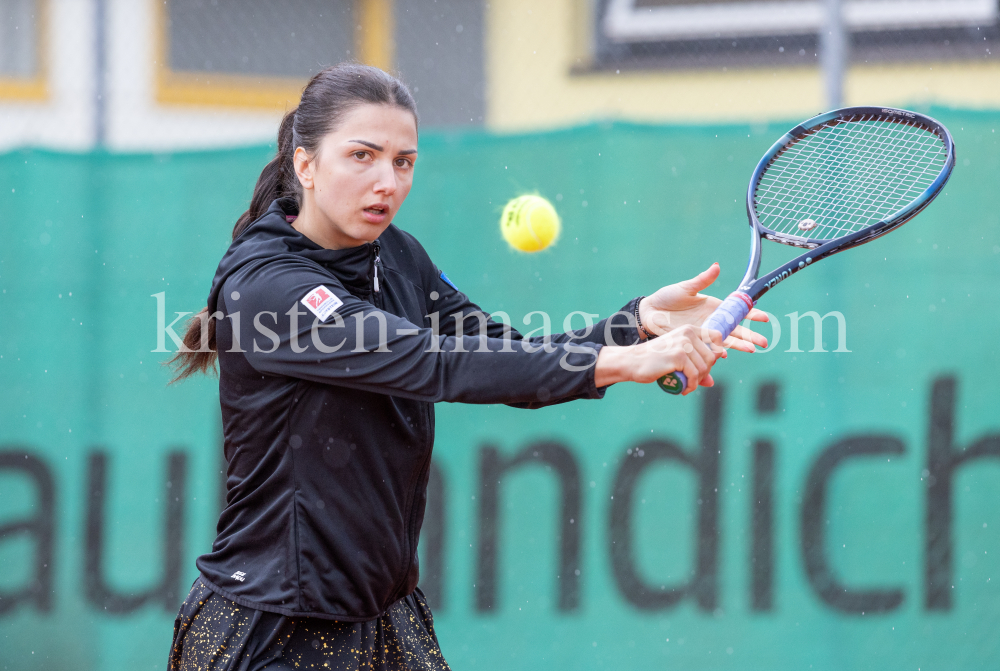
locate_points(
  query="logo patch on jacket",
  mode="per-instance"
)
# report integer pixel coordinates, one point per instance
(447, 281)
(321, 302)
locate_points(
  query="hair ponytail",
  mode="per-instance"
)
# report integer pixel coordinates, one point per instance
(328, 96)
(198, 354)
(276, 180)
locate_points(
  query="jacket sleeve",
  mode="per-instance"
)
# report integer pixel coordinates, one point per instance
(361, 347)
(453, 309)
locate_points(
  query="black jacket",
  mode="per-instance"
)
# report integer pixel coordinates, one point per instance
(329, 451)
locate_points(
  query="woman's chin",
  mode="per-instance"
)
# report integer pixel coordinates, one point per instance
(368, 232)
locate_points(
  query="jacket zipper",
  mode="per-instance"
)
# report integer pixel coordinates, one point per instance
(376, 248)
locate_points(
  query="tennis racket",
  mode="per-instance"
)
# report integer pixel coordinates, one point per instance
(834, 182)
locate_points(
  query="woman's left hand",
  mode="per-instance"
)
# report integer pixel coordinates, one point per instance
(679, 304)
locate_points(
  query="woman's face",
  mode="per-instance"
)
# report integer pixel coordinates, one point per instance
(359, 176)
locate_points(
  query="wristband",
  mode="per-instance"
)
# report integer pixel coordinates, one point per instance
(638, 322)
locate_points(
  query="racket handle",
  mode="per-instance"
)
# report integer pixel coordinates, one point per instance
(673, 383)
(730, 312)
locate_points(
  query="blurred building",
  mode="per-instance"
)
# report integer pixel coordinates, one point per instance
(171, 74)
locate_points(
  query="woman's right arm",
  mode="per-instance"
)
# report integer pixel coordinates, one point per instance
(685, 349)
(361, 347)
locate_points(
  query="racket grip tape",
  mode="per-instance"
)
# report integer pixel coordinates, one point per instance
(726, 317)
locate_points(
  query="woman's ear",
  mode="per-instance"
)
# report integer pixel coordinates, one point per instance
(303, 167)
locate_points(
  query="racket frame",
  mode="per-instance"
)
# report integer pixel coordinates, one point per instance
(753, 287)
(818, 248)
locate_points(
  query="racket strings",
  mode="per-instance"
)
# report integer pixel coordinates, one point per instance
(830, 165)
(851, 189)
(850, 186)
(847, 175)
(881, 185)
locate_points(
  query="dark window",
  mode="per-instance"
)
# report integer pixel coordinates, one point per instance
(291, 38)
(19, 39)
(439, 51)
(733, 33)
(437, 46)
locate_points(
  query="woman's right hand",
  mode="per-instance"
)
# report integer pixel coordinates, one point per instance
(689, 349)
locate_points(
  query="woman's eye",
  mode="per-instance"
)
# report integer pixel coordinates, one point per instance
(360, 155)
(402, 163)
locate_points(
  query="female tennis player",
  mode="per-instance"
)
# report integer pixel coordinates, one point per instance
(335, 335)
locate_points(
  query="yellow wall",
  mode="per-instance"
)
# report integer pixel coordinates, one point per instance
(534, 47)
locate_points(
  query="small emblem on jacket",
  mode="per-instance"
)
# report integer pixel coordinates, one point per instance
(321, 302)
(239, 575)
(448, 281)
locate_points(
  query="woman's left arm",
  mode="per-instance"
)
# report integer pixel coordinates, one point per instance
(453, 313)
(454, 307)
(669, 308)
(680, 304)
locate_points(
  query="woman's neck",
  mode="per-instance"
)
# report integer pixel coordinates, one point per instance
(314, 225)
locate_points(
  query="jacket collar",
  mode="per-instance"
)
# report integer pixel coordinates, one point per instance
(352, 266)
(272, 235)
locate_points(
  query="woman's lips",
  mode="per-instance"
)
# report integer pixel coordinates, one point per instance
(375, 214)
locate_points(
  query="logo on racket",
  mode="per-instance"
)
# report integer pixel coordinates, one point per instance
(777, 278)
(909, 115)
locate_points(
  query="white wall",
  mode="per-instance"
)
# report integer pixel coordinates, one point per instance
(134, 120)
(65, 120)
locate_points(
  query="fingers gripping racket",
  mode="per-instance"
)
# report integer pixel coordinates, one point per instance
(836, 181)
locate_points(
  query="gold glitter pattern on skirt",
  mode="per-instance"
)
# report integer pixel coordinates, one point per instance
(211, 633)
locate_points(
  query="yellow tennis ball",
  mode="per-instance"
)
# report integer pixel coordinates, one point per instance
(530, 223)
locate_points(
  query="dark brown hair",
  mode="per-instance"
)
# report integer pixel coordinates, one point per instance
(328, 96)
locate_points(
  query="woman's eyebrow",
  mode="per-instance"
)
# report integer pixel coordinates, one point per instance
(372, 145)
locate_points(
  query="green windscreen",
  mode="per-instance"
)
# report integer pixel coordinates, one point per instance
(831, 504)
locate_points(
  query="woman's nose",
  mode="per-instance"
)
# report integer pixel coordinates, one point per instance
(386, 182)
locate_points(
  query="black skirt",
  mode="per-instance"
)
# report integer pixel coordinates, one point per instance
(213, 633)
